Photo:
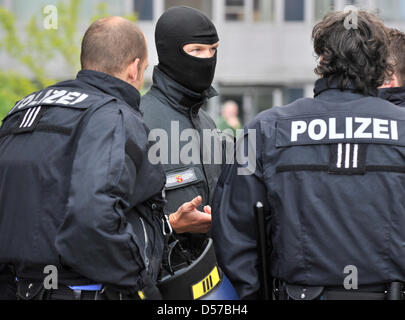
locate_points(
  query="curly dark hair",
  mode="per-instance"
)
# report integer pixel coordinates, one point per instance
(353, 56)
(397, 50)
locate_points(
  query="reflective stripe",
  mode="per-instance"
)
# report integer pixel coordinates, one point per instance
(93, 287)
(347, 154)
(33, 119)
(25, 117)
(356, 156)
(339, 156)
(24, 125)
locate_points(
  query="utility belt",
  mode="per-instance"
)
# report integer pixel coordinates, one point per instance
(34, 290)
(391, 291)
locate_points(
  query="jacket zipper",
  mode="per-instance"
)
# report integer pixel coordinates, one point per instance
(146, 245)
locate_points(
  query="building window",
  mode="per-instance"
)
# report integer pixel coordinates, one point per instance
(144, 9)
(391, 10)
(202, 5)
(294, 10)
(322, 7)
(263, 10)
(235, 10)
(264, 101)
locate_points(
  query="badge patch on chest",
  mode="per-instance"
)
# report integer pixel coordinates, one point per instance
(180, 178)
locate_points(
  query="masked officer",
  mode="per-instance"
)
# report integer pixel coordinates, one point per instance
(79, 199)
(330, 173)
(393, 89)
(187, 43)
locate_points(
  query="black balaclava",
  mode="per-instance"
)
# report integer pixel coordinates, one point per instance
(177, 27)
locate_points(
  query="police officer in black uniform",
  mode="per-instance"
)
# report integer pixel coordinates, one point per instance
(393, 89)
(181, 87)
(330, 173)
(77, 192)
(187, 43)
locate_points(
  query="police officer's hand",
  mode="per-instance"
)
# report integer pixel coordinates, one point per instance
(189, 219)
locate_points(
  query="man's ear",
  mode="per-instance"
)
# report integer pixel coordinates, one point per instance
(391, 83)
(133, 70)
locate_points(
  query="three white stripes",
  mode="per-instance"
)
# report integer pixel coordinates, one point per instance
(356, 156)
(30, 117)
(355, 160)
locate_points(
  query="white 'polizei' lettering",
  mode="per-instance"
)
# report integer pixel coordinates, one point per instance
(364, 125)
(312, 129)
(68, 98)
(297, 128)
(57, 94)
(52, 96)
(80, 99)
(381, 129)
(47, 94)
(24, 102)
(333, 135)
(349, 128)
(355, 128)
(36, 99)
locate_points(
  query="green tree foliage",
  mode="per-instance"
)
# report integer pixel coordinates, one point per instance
(34, 46)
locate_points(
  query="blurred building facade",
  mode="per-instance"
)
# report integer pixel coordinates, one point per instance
(265, 56)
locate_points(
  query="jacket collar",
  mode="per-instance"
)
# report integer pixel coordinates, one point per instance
(393, 95)
(179, 97)
(328, 90)
(111, 86)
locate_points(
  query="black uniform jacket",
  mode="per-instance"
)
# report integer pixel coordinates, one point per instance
(187, 144)
(393, 95)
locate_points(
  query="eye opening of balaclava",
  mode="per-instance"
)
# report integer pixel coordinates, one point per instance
(176, 28)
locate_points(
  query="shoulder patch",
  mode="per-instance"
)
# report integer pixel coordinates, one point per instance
(181, 178)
